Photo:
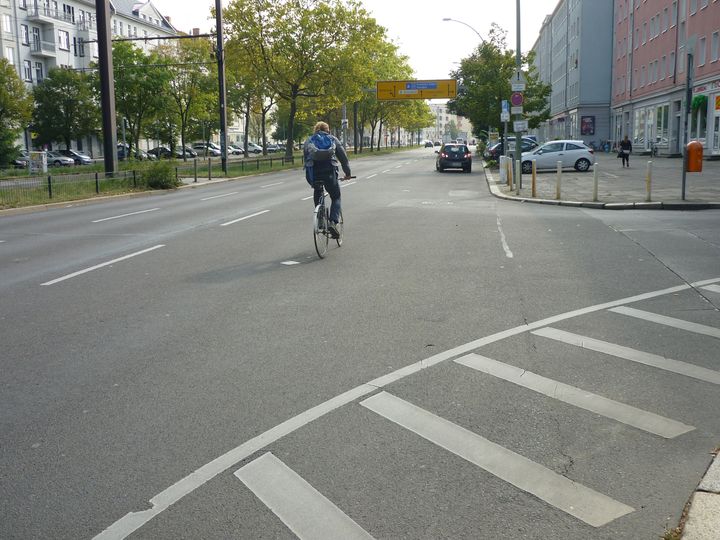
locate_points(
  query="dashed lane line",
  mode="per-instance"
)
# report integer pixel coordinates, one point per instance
(125, 215)
(244, 218)
(219, 196)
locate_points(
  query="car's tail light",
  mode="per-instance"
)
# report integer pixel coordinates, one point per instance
(468, 155)
(443, 154)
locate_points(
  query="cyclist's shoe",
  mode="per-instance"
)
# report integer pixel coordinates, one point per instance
(333, 229)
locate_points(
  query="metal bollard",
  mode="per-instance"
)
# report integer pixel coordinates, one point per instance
(503, 170)
(209, 169)
(534, 178)
(558, 183)
(648, 182)
(97, 184)
(595, 182)
(195, 169)
(518, 173)
(508, 164)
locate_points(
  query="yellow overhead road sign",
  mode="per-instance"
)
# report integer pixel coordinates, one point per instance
(391, 90)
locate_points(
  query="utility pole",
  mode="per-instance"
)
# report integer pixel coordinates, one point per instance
(107, 86)
(518, 66)
(690, 47)
(221, 84)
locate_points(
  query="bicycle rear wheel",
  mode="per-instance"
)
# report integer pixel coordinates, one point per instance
(320, 232)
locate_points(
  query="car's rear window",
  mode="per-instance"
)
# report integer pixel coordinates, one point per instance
(455, 148)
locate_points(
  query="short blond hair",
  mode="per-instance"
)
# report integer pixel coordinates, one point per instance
(321, 126)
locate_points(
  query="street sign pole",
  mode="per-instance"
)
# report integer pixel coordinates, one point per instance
(518, 65)
(107, 85)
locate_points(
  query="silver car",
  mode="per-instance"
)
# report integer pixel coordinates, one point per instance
(58, 160)
(573, 155)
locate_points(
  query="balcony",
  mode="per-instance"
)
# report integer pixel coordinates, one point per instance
(45, 49)
(47, 15)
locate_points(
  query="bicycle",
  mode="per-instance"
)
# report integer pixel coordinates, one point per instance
(321, 219)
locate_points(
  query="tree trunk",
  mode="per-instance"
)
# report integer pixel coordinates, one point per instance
(247, 125)
(291, 128)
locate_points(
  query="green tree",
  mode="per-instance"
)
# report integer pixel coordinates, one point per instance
(484, 82)
(304, 49)
(66, 107)
(15, 111)
(140, 88)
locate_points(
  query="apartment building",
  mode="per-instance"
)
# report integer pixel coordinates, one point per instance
(441, 130)
(39, 35)
(573, 55)
(652, 40)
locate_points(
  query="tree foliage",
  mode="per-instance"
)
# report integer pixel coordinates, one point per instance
(66, 107)
(15, 111)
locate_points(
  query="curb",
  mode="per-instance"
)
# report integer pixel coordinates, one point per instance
(703, 516)
(493, 186)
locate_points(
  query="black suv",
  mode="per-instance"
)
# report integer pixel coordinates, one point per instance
(453, 156)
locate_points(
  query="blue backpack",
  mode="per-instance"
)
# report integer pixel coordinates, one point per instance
(320, 153)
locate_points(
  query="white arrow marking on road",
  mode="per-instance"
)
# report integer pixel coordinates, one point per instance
(301, 507)
(647, 421)
(125, 215)
(58, 280)
(571, 497)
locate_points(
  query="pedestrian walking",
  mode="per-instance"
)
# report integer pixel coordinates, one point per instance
(624, 152)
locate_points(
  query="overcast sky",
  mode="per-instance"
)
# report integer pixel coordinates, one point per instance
(416, 26)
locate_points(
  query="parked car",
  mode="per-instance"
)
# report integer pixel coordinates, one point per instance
(453, 156)
(163, 152)
(428, 144)
(573, 154)
(77, 157)
(254, 148)
(437, 143)
(22, 161)
(235, 150)
(58, 160)
(496, 150)
(209, 149)
(273, 148)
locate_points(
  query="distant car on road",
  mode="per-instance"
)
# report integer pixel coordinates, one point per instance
(572, 154)
(428, 144)
(77, 157)
(453, 156)
(58, 160)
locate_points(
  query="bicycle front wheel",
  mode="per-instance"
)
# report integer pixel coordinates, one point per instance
(320, 233)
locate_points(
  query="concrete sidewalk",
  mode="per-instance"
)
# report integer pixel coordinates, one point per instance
(620, 188)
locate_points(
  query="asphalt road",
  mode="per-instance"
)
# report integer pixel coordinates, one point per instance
(182, 365)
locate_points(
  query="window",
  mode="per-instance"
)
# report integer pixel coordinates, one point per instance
(715, 50)
(63, 40)
(674, 14)
(39, 72)
(27, 70)
(22, 4)
(665, 17)
(663, 63)
(703, 4)
(10, 55)
(68, 13)
(671, 65)
(7, 24)
(24, 34)
(693, 7)
(701, 50)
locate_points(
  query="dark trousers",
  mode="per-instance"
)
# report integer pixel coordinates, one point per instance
(332, 186)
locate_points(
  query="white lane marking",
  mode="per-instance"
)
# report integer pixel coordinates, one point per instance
(627, 414)
(385, 171)
(306, 198)
(80, 272)
(633, 355)
(219, 196)
(346, 184)
(506, 248)
(301, 507)
(372, 176)
(270, 185)
(244, 218)
(134, 520)
(3, 241)
(610, 175)
(125, 215)
(669, 321)
(584, 503)
(713, 288)
(398, 167)
(289, 263)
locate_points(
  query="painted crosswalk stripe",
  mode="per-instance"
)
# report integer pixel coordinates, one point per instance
(626, 353)
(647, 421)
(668, 321)
(713, 288)
(584, 503)
(303, 509)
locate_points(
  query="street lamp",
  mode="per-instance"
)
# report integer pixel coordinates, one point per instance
(466, 24)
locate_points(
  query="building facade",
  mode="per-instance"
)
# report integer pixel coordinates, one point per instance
(441, 130)
(39, 35)
(652, 43)
(574, 57)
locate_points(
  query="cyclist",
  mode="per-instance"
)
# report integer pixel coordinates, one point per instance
(331, 183)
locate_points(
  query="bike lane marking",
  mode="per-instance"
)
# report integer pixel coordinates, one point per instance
(160, 502)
